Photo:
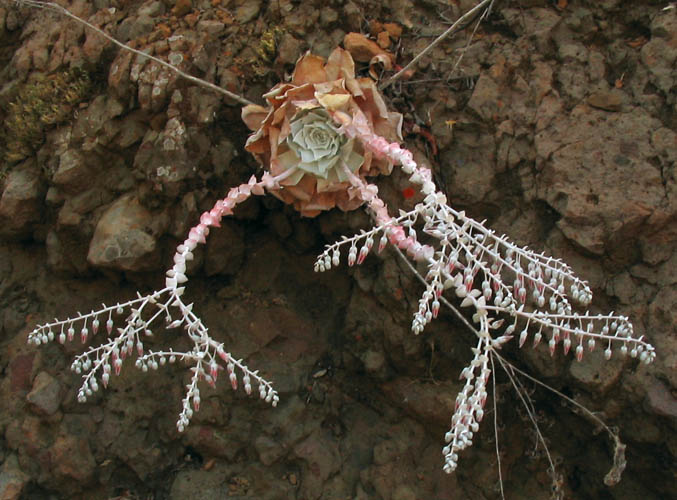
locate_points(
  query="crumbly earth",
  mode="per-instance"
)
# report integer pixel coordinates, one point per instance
(557, 125)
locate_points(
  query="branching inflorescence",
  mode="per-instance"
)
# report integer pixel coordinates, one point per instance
(322, 134)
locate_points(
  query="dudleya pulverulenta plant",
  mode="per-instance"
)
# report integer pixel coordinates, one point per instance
(298, 137)
(322, 134)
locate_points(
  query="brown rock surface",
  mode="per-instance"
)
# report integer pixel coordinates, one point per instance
(534, 134)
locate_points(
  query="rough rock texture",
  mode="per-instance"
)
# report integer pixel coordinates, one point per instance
(558, 125)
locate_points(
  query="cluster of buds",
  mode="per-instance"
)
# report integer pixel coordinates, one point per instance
(487, 272)
(147, 312)
(469, 407)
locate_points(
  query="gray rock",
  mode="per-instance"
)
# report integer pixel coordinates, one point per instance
(21, 201)
(659, 54)
(45, 397)
(595, 373)
(661, 401)
(73, 174)
(124, 238)
(247, 11)
(12, 479)
(211, 27)
(134, 27)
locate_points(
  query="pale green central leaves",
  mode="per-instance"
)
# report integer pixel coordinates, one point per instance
(317, 147)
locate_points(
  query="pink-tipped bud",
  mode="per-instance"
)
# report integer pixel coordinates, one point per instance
(95, 326)
(109, 326)
(233, 381)
(223, 355)
(83, 334)
(196, 403)
(468, 283)
(382, 243)
(214, 370)
(523, 337)
(567, 345)
(435, 308)
(579, 352)
(364, 251)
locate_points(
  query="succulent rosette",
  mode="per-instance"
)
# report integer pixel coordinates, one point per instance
(298, 137)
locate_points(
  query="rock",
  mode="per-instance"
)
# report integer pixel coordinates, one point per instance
(608, 101)
(73, 174)
(361, 48)
(214, 441)
(595, 373)
(374, 362)
(485, 97)
(152, 9)
(21, 202)
(92, 121)
(45, 397)
(134, 27)
(225, 249)
(597, 173)
(124, 238)
(269, 450)
(432, 404)
(289, 49)
(21, 370)
(659, 400)
(72, 459)
(12, 479)
(132, 130)
(198, 485)
(247, 11)
(211, 27)
(182, 7)
(321, 458)
(659, 54)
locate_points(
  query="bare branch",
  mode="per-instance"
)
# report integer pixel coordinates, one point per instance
(61, 10)
(457, 26)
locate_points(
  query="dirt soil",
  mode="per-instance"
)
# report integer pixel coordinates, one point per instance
(558, 126)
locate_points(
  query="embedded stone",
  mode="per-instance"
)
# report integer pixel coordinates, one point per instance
(12, 479)
(608, 101)
(21, 202)
(45, 396)
(661, 401)
(72, 458)
(124, 238)
(73, 175)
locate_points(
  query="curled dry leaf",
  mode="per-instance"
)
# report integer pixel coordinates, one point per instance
(377, 63)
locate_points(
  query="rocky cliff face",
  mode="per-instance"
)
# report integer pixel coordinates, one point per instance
(557, 125)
